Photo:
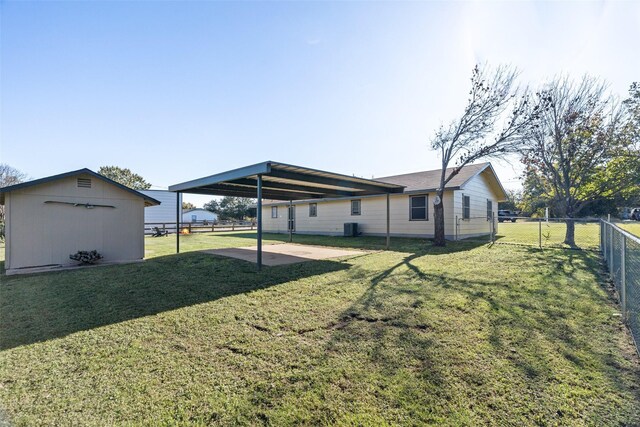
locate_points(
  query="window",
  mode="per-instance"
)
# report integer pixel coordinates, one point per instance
(84, 182)
(466, 207)
(418, 208)
(489, 210)
(313, 209)
(274, 212)
(194, 218)
(355, 207)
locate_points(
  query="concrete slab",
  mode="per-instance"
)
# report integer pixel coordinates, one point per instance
(285, 253)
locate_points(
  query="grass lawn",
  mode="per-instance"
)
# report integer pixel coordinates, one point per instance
(467, 335)
(587, 235)
(631, 227)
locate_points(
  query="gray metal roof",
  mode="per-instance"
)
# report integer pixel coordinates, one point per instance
(281, 181)
(149, 201)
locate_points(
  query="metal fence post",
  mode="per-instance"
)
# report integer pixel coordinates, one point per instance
(540, 233)
(456, 227)
(611, 250)
(623, 277)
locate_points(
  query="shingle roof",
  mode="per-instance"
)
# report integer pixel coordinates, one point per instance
(149, 201)
(430, 180)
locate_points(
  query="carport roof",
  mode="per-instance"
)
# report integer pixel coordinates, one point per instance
(281, 181)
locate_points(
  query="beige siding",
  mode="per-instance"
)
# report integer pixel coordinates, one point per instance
(46, 234)
(333, 214)
(372, 221)
(479, 190)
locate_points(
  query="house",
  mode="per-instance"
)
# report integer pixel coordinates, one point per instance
(470, 201)
(165, 212)
(51, 218)
(199, 215)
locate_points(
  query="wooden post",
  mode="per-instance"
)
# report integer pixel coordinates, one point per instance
(540, 233)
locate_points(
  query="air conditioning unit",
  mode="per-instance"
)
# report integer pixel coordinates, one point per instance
(350, 229)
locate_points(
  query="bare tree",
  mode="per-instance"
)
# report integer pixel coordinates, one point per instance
(473, 136)
(9, 176)
(574, 147)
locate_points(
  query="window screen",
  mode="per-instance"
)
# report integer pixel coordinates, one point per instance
(466, 207)
(313, 209)
(274, 212)
(418, 207)
(355, 207)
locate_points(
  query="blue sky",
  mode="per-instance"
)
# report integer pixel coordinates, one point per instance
(180, 90)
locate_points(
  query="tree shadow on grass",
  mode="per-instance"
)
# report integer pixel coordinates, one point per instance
(548, 331)
(41, 307)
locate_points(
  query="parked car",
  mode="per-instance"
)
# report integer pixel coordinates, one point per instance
(635, 214)
(506, 215)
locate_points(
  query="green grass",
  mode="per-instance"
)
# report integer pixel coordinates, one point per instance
(467, 335)
(587, 235)
(631, 227)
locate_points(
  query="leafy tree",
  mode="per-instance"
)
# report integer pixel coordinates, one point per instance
(514, 198)
(231, 207)
(9, 176)
(473, 135)
(124, 176)
(574, 152)
(188, 206)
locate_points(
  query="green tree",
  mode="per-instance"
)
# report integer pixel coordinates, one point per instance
(231, 207)
(124, 176)
(188, 206)
(574, 155)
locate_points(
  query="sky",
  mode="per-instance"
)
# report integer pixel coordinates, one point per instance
(181, 90)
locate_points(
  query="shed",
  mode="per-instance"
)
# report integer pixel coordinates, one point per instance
(50, 218)
(198, 215)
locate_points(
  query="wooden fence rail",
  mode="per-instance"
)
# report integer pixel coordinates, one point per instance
(198, 227)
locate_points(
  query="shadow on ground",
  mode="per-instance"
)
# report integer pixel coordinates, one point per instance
(40, 307)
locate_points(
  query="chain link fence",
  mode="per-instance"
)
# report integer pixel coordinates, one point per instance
(538, 232)
(621, 251)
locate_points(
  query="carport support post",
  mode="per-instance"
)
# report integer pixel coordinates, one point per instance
(388, 224)
(259, 215)
(178, 208)
(290, 218)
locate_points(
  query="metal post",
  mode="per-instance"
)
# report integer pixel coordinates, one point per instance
(456, 227)
(540, 233)
(178, 209)
(610, 250)
(290, 217)
(259, 214)
(623, 277)
(388, 223)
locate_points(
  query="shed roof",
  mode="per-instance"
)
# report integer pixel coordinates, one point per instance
(281, 181)
(148, 201)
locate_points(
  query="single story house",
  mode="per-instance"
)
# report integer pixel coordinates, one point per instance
(165, 212)
(470, 202)
(51, 218)
(199, 215)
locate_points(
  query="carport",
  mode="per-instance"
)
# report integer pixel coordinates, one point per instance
(282, 182)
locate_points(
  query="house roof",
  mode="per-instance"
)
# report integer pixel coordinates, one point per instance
(281, 181)
(148, 201)
(430, 180)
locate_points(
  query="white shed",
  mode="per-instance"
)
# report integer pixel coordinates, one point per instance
(199, 215)
(51, 218)
(165, 212)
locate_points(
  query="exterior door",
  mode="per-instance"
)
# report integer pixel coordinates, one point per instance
(291, 223)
